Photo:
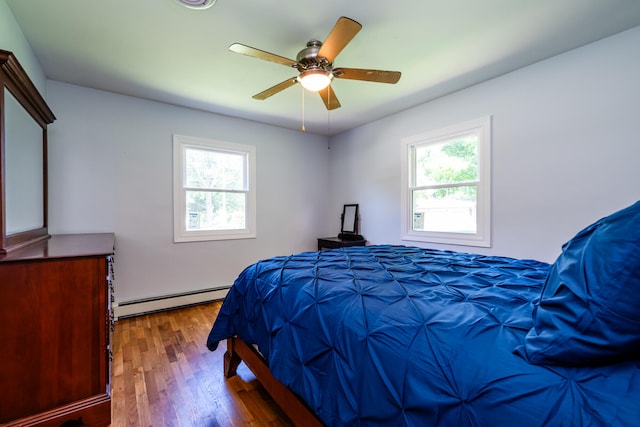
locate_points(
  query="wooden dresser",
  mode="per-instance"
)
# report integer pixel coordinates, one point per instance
(55, 331)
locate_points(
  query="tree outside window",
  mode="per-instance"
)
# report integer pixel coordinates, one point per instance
(215, 189)
(445, 191)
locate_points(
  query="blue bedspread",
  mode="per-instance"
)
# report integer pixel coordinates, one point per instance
(396, 335)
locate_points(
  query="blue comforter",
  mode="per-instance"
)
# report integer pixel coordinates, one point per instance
(396, 335)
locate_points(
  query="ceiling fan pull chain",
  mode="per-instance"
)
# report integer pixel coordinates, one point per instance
(329, 117)
(302, 108)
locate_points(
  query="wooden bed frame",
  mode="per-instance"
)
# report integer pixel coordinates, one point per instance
(297, 411)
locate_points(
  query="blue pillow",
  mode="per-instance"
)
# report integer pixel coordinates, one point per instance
(589, 309)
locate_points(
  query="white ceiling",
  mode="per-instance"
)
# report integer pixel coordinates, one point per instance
(160, 50)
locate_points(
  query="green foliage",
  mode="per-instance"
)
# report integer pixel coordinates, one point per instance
(450, 162)
(214, 173)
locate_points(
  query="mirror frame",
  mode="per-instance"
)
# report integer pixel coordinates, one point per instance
(348, 229)
(15, 79)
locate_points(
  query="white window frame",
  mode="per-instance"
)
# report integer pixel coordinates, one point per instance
(482, 237)
(180, 232)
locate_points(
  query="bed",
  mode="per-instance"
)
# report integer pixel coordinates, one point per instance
(391, 335)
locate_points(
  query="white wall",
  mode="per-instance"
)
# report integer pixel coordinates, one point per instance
(566, 145)
(13, 40)
(110, 170)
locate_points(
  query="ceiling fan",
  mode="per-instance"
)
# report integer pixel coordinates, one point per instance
(315, 64)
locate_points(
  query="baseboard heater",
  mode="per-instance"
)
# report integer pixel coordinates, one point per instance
(142, 306)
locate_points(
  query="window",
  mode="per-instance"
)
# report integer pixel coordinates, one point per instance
(214, 190)
(446, 185)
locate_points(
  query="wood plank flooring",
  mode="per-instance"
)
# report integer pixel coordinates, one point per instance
(164, 376)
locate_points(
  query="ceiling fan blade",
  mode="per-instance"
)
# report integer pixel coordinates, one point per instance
(275, 89)
(261, 54)
(378, 76)
(341, 34)
(329, 98)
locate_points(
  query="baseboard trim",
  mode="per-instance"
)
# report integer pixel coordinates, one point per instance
(143, 306)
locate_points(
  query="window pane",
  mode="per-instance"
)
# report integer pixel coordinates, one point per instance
(215, 210)
(447, 162)
(451, 209)
(210, 169)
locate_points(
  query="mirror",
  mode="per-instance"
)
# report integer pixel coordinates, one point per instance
(24, 116)
(24, 192)
(350, 219)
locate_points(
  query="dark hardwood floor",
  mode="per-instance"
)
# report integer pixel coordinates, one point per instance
(164, 376)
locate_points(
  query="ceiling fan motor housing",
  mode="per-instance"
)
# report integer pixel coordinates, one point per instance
(308, 57)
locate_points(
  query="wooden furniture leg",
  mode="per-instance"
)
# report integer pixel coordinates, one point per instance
(231, 359)
(296, 409)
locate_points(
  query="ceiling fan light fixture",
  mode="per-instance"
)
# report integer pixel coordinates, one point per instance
(315, 80)
(197, 4)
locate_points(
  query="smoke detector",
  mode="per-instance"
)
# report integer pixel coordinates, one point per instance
(197, 4)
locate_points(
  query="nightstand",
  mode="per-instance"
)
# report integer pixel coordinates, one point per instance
(340, 242)
(348, 231)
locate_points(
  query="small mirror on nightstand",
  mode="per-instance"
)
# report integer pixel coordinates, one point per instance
(349, 228)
